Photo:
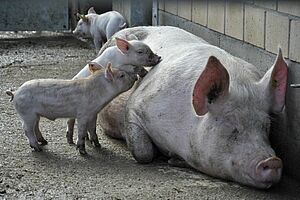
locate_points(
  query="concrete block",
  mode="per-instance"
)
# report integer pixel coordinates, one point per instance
(216, 14)
(234, 19)
(161, 4)
(290, 7)
(271, 4)
(277, 33)
(167, 19)
(199, 12)
(294, 51)
(171, 6)
(254, 25)
(185, 9)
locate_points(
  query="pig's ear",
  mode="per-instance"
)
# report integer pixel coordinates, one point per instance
(123, 45)
(93, 67)
(109, 74)
(91, 11)
(212, 85)
(83, 17)
(275, 83)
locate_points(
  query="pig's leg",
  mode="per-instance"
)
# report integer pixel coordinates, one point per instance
(29, 123)
(38, 134)
(82, 134)
(139, 143)
(70, 131)
(92, 130)
(98, 43)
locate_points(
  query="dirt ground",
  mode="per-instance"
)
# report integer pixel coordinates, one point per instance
(59, 172)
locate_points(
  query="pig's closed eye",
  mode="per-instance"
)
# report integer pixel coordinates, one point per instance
(140, 51)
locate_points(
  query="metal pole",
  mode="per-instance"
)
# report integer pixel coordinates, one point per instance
(155, 20)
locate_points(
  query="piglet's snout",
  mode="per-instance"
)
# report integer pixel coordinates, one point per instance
(269, 170)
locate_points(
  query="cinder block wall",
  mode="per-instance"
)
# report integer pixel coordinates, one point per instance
(251, 30)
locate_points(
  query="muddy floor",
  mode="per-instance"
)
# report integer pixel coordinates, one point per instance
(59, 172)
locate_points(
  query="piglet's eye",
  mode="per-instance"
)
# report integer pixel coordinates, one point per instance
(122, 76)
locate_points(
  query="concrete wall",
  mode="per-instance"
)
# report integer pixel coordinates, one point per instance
(251, 30)
(136, 12)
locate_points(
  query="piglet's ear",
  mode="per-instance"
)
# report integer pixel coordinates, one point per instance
(275, 83)
(109, 74)
(123, 45)
(93, 67)
(212, 85)
(91, 11)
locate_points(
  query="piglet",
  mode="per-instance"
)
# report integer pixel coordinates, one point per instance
(80, 98)
(99, 27)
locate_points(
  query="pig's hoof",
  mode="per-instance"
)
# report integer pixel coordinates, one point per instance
(96, 144)
(69, 137)
(81, 150)
(36, 148)
(43, 142)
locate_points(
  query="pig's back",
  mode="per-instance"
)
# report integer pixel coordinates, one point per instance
(163, 100)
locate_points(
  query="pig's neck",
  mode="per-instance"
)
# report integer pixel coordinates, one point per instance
(101, 90)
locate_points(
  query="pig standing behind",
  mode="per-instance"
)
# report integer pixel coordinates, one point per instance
(205, 106)
(99, 27)
(81, 99)
(128, 56)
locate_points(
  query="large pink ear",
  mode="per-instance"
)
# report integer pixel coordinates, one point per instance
(92, 11)
(123, 45)
(275, 82)
(212, 84)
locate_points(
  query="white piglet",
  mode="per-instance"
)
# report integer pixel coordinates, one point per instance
(81, 99)
(99, 27)
(128, 56)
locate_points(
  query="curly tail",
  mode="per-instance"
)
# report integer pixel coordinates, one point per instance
(10, 93)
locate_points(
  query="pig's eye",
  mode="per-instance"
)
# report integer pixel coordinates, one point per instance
(140, 51)
(122, 76)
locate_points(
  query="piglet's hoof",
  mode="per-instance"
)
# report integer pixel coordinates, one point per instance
(96, 144)
(69, 137)
(81, 150)
(36, 148)
(43, 142)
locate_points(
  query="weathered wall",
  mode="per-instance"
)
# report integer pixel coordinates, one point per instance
(136, 12)
(251, 30)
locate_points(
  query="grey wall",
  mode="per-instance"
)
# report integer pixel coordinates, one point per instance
(136, 12)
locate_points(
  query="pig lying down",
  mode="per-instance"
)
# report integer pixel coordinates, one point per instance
(99, 27)
(204, 106)
(129, 56)
(81, 99)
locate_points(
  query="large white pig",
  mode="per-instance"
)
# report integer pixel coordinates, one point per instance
(204, 106)
(99, 27)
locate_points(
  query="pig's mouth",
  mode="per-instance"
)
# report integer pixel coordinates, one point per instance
(154, 61)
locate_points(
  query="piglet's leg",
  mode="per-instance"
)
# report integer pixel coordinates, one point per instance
(92, 130)
(39, 135)
(82, 134)
(98, 43)
(29, 123)
(70, 131)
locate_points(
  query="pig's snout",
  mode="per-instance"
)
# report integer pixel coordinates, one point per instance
(268, 171)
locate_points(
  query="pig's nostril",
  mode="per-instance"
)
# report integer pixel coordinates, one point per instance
(269, 170)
